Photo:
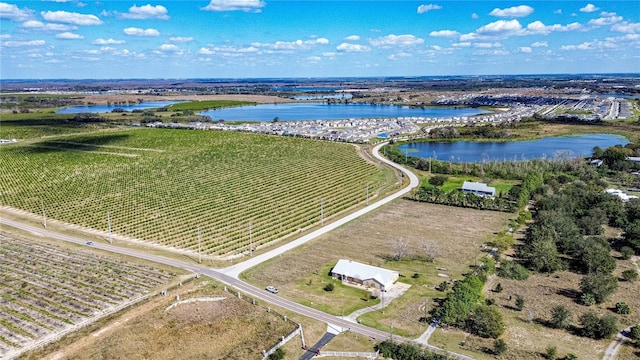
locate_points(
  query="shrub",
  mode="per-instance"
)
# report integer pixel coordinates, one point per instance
(416, 276)
(498, 288)
(490, 302)
(587, 299)
(512, 270)
(560, 317)
(571, 357)
(600, 285)
(329, 287)
(279, 354)
(443, 286)
(499, 346)
(627, 252)
(551, 353)
(598, 328)
(623, 308)
(486, 322)
(634, 333)
(630, 275)
(519, 302)
(438, 180)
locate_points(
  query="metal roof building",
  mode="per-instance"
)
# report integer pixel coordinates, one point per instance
(362, 274)
(478, 188)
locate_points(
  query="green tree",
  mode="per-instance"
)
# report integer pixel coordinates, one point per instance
(600, 285)
(499, 347)
(598, 328)
(279, 354)
(560, 317)
(542, 256)
(626, 252)
(634, 333)
(486, 322)
(632, 234)
(438, 180)
(593, 256)
(512, 270)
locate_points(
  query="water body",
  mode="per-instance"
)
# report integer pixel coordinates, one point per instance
(549, 148)
(317, 97)
(94, 109)
(322, 111)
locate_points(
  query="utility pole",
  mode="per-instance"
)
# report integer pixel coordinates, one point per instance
(250, 248)
(44, 215)
(321, 212)
(199, 253)
(109, 228)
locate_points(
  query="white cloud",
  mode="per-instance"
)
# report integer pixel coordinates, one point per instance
(399, 56)
(609, 43)
(235, 5)
(181, 39)
(328, 54)
(169, 47)
(146, 12)
(467, 37)
(69, 36)
(444, 33)
(5, 36)
(538, 27)
(589, 8)
(346, 47)
(483, 52)
(12, 12)
(70, 18)
(352, 38)
(515, 11)
(487, 45)
(540, 44)
(314, 58)
(525, 49)
(462, 44)
(132, 31)
(425, 8)
(291, 45)
(109, 41)
(626, 27)
(558, 12)
(605, 19)
(475, 16)
(206, 51)
(397, 40)
(23, 43)
(322, 41)
(39, 25)
(500, 29)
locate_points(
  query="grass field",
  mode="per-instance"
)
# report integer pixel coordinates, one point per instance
(227, 329)
(367, 240)
(161, 185)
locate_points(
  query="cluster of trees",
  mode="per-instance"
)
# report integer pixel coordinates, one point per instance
(458, 198)
(615, 157)
(464, 307)
(406, 351)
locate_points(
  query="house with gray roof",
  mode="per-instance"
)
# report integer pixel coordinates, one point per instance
(362, 274)
(479, 189)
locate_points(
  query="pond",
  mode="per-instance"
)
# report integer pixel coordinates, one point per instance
(549, 148)
(323, 111)
(108, 108)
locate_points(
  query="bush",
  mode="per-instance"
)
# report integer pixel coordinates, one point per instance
(634, 333)
(519, 302)
(490, 302)
(329, 287)
(279, 354)
(498, 288)
(438, 180)
(443, 286)
(629, 275)
(551, 353)
(571, 357)
(600, 285)
(560, 317)
(598, 328)
(627, 252)
(512, 270)
(499, 346)
(486, 322)
(623, 308)
(587, 299)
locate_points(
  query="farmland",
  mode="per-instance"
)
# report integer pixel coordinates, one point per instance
(46, 288)
(161, 185)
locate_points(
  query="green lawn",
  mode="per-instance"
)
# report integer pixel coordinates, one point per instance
(455, 183)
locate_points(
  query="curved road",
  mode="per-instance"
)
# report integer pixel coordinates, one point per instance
(229, 275)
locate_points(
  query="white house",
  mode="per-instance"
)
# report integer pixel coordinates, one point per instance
(477, 188)
(621, 194)
(370, 276)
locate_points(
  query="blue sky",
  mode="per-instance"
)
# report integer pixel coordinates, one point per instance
(82, 39)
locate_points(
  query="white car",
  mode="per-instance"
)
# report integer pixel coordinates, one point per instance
(271, 289)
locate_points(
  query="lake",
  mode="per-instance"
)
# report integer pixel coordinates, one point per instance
(550, 147)
(108, 108)
(323, 111)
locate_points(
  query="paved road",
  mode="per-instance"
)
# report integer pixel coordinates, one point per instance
(319, 345)
(613, 349)
(229, 275)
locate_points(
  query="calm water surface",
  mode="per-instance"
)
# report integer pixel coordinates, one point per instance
(322, 111)
(108, 108)
(551, 147)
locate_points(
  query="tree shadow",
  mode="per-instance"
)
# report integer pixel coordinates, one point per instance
(569, 293)
(80, 143)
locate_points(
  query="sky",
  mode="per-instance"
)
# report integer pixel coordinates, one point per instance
(164, 39)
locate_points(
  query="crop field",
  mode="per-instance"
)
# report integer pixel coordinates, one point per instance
(45, 288)
(161, 185)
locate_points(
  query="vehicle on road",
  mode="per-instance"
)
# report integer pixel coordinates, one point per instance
(271, 289)
(89, 242)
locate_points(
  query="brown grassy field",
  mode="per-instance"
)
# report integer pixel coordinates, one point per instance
(227, 329)
(302, 273)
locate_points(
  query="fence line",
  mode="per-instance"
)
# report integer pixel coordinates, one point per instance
(53, 337)
(366, 355)
(283, 340)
